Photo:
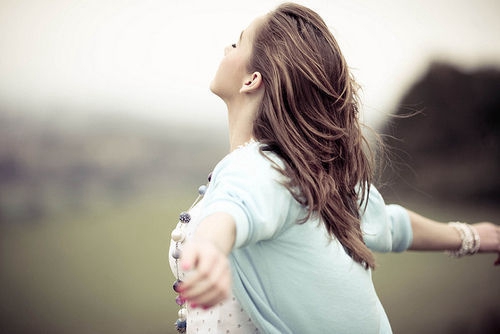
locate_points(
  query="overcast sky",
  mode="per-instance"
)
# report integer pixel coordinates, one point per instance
(156, 58)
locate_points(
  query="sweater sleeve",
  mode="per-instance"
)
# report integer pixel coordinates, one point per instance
(247, 187)
(386, 228)
(401, 230)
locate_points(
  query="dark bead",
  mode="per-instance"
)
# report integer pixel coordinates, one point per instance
(185, 217)
(181, 325)
(177, 285)
(176, 253)
(179, 300)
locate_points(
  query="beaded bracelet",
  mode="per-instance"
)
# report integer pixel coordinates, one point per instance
(470, 240)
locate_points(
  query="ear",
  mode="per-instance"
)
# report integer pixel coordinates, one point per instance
(252, 83)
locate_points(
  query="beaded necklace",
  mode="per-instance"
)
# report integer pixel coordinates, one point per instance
(179, 236)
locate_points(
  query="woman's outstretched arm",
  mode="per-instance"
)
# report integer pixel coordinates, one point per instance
(431, 235)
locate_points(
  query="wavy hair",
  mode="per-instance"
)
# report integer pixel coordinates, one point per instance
(309, 117)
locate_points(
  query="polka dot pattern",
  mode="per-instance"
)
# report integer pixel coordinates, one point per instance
(227, 317)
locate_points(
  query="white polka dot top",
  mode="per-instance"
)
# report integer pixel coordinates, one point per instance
(227, 317)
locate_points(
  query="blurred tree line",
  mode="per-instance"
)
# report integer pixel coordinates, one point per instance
(53, 164)
(444, 140)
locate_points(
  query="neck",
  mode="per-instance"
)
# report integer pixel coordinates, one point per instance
(237, 139)
(240, 119)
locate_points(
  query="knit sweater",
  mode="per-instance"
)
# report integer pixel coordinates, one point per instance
(291, 277)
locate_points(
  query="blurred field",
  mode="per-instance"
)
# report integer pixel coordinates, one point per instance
(432, 293)
(106, 271)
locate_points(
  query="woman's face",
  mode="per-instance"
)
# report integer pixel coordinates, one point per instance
(232, 71)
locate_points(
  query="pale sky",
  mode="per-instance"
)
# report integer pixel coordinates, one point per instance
(156, 58)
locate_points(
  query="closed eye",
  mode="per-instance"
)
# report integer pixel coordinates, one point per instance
(239, 41)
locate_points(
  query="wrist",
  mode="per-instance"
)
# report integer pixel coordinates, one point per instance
(470, 241)
(218, 229)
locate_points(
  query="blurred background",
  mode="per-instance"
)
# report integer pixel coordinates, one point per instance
(107, 128)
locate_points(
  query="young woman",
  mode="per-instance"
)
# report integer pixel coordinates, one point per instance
(280, 242)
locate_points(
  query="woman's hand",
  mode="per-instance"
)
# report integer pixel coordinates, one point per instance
(489, 236)
(206, 263)
(208, 278)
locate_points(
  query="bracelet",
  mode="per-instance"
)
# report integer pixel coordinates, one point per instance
(470, 240)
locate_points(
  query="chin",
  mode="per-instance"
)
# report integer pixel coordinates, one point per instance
(214, 90)
(213, 87)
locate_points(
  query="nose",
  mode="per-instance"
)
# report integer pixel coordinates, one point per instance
(227, 49)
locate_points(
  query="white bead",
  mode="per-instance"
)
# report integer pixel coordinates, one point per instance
(202, 190)
(177, 235)
(182, 314)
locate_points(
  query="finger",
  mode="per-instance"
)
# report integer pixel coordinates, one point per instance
(210, 270)
(188, 258)
(197, 264)
(210, 289)
(212, 297)
(216, 295)
(498, 238)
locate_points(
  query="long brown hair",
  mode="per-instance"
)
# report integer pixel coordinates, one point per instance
(309, 117)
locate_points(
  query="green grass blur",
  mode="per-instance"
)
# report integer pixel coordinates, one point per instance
(429, 292)
(103, 271)
(106, 271)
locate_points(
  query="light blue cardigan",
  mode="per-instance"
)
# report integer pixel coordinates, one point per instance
(290, 277)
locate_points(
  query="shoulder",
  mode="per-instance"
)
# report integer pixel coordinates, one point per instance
(249, 161)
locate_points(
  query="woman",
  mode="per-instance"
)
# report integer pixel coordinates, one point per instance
(280, 241)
